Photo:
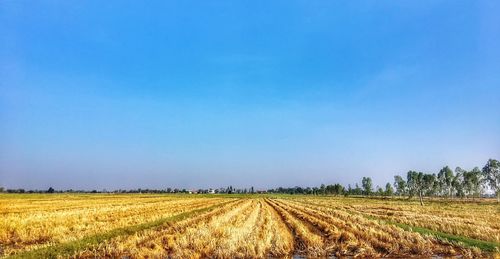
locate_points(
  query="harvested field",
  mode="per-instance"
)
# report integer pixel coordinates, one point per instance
(223, 226)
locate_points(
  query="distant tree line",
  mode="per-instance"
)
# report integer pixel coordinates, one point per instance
(223, 190)
(338, 189)
(459, 183)
(446, 183)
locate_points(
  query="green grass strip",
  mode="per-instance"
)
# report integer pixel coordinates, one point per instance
(487, 246)
(461, 240)
(70, 248)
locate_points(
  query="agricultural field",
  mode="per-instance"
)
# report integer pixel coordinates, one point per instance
(223, 226)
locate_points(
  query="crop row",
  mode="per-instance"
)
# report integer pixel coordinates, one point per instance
(479, 221)
(21, 231)
(246, 228)
(275, 228)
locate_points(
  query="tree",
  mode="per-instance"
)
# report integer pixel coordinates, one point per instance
(400, 185)
(389, 191)
(357, 190)
(435, 189)
(491, 173)
(366, 182)
(416, 184)
(50, 190)
(472, 182)
(338, 189)
(411, 183)
(428, 181)
(380, 191)
(445, 178)
(322, 189)
(458, 182)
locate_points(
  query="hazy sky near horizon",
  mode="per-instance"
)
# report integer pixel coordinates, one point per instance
(198, 94)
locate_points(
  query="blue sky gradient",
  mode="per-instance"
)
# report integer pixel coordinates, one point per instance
(198, 94)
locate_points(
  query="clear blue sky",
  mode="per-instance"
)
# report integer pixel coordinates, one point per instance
(190, 94)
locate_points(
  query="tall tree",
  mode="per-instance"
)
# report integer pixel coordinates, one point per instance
(338, 189)
(436, 187)
(416, 184)
(400, 185)
(367, 184)
(472, 182)
(445, 178)
(491, 173)
(458, 182)
(428, 181)
(389, 191)
(411, 183)
(358, 190)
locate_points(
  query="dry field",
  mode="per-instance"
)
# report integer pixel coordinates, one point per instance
(225, 226)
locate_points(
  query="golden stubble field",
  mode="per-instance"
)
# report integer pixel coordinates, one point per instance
(228, 226)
